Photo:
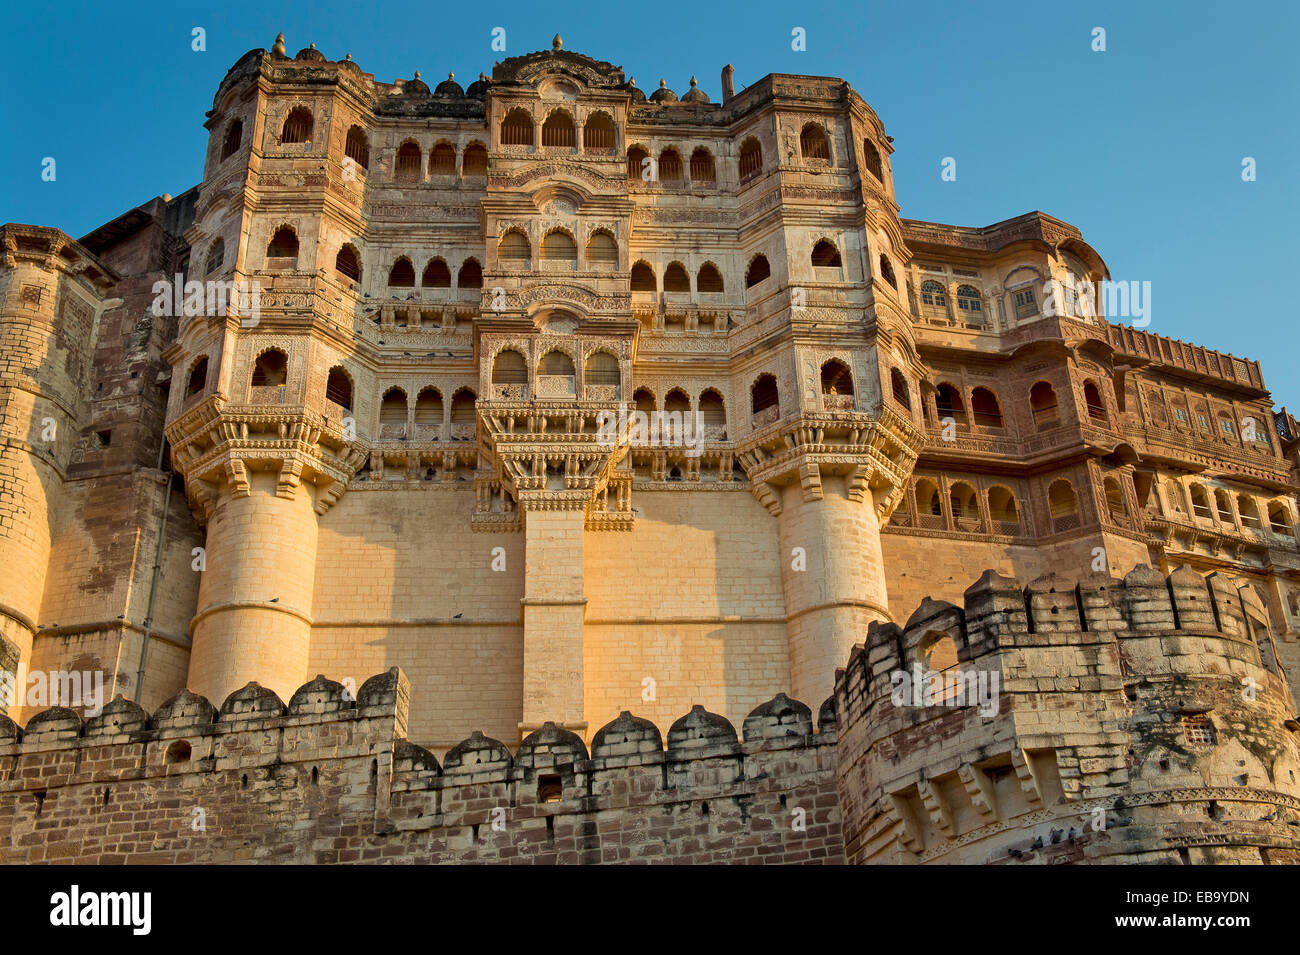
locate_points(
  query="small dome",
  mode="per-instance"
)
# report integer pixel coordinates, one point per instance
(695, 94)
(479, 87)
(637, 95)
(449, 87)
(415, 87)
(663, 94)
(311, 54)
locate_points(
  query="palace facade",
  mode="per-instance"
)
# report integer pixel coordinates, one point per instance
(391, 452)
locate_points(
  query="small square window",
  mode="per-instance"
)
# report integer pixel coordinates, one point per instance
(1199, 731)
(549, 788)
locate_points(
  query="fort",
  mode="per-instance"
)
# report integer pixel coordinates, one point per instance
(397, 456)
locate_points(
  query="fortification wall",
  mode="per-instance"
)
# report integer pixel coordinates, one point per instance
(330, 779)
(1132, 721)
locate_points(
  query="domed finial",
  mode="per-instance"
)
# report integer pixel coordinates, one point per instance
(693, 83)
(482, 77)
(451, 76)
(557, 42)
(278, 47)
(663, 85)
(347, 58)
(417, 74)
(311, 46)
(631, 81)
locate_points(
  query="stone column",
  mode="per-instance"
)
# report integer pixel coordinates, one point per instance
(553, 610)
(840, 588)
(255, 597)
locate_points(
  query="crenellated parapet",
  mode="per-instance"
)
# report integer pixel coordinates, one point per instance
(1143, 719)
(330, 778)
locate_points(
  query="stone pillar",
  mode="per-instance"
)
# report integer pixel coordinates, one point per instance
(46, 333)
(841, 589)
(255, 598)
(553, 610)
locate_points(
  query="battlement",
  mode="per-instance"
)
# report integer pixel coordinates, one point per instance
(985, 732)
(328, 778)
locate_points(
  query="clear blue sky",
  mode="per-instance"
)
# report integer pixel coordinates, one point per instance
(1140, 146)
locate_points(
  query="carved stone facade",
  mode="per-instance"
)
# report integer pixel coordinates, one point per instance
(403, 457)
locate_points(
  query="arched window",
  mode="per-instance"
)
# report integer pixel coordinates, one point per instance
(933, 296)
(1003, 511)
(751, 159)
(965, 506)
(558, 130)
(598, 134)
(464, 419)
(198, 379)
(826, 256)
(871, 159)
(475, 160)
(408, 163)
(1063, 505)
(602, 252)
(442, 160)
(509, 368)
(709, 279)
(644, 400)
(234, 139)
(764, 395)
(270, 369)
(556, 363)
(1092, 398)
(282, 251)
(338, 388)
(898, 386)
(470, 274)
(179, 751)
(968, 301)
(428, 411)
(1223, 504)
(216, 258)
(702, 168)
(1279, 518)
(676, 278)
(637, 168)
(1115, 506)
(887, 272)
(643, 278)
(517, 128)
(948, 403)
(758, 271)
(1200, 502)
(714, 413)
(813, 144)
(677, 401)
(513, 250)
(559, 250)
(357, 147)
(670, 166)
(602, 372)
(402, 274)
(1249, 511)
(392, 414)
(347, 263)
(836, 378)
(929, 506)
(297, 126)
(436, 274)
(1042, 401)
(985, 408)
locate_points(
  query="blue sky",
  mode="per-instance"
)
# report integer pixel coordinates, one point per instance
(1141, 146)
